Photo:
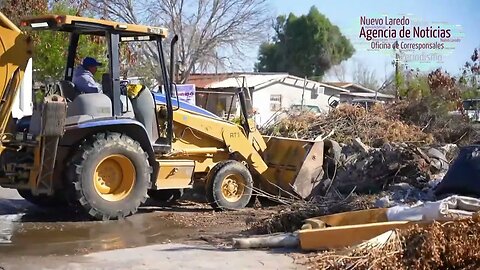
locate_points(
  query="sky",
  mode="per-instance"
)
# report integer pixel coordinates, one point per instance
(463, 16)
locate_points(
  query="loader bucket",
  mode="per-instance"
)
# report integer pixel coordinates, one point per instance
(295, 167)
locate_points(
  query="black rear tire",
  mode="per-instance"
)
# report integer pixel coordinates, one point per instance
(165, 195)
(218, 191)
(84, 191)
(43, 200)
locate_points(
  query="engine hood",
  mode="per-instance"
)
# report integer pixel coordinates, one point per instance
(160, 99)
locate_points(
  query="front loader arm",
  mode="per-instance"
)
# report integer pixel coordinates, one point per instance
(15, 51)
(231, 135)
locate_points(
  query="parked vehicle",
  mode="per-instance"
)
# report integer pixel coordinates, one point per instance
(365, 103)
(306, 108)
(472, 109)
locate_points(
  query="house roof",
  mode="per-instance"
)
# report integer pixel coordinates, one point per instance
(253, 79)
(349, 84)
(204, 80)
(232, 80)
(368, 95)
(299, 82)
(339, 84)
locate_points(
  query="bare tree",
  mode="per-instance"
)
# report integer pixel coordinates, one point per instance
(339, 72)
(364, 76)
(207, 29)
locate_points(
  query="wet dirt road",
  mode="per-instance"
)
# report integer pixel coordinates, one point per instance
(33, 238)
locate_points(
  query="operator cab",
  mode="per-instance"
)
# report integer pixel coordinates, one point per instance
(119, 99)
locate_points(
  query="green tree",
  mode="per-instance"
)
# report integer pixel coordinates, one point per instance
(469, 81)
(304, 46)
(50, 47)
(16, 9)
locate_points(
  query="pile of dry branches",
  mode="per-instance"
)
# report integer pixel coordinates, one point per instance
(374, 127)
(444, 128)
(452, 245)
(291, 218)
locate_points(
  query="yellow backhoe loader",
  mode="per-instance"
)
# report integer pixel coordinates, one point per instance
(105, 153)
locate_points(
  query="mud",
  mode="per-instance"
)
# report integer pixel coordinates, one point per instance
(69, 238)
(26, 230)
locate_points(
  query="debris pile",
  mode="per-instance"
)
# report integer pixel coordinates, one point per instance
(451, 245)
(372, 170)
(374, 127)
(386, 159)
(366, 178)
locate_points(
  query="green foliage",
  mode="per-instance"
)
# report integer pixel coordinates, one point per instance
(469, 80)
(237, 120)
(438, 91)
(471, 93)
(51, 48)
(14, 10)
(304, 46)
(414, 89)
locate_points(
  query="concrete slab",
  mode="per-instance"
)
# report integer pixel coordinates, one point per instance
(165, 257)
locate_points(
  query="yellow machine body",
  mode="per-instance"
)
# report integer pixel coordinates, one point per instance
(15, 50)
(280, 166)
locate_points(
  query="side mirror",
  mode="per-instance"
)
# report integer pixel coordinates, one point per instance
(172, 60)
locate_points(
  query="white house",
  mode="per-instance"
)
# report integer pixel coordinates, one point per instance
(356, 91)
(270, 93)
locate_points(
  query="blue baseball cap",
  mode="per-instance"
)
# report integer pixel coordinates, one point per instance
(90, 62)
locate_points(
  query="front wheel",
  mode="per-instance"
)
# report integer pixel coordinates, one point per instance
(109, 176)
(229, 186)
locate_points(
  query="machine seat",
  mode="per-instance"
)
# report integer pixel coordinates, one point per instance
(67, 90)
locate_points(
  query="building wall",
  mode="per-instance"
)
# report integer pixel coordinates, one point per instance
(263, 101)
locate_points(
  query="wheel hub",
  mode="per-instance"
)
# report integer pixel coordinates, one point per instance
(114, 177)
(233, 187)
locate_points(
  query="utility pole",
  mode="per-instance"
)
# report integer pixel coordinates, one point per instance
(397, 69)
(396, 75)
(303, 92)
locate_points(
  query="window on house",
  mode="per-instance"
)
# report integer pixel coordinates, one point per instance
(314, 93)
(317, 90)
(275, 102)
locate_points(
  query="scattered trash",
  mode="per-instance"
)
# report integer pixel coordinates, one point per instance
(449, 245)
(453, 207)
(351, 228)
(463, 177)
(378, 168)
(269, 241)
(418, 209)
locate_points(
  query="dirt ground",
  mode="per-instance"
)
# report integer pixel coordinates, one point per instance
(55, 237)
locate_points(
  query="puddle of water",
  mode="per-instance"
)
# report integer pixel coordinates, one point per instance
(7, 227)
(69, 238)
